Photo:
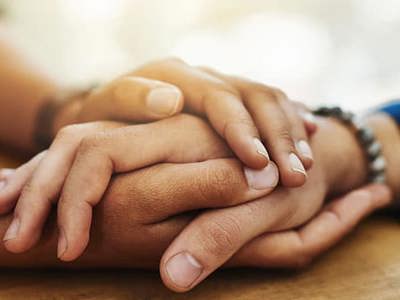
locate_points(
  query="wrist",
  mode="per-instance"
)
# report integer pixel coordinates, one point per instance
(341, 156)
(343, 159)
(387, 133)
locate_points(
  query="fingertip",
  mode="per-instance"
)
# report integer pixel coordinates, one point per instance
(264, 180)
(292, 172)
(293, 179)
(381, 194)
(70, 248)
(181, 272)
(307, 162)
(165, 101)
(305, 152)
(253, 154)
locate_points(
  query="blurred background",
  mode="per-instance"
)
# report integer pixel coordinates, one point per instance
(317, 51)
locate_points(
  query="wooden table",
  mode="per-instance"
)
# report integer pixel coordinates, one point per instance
(364, 266)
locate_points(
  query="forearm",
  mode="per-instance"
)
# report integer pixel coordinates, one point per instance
(22, 92)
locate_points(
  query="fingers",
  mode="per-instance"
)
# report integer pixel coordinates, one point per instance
(132, 99)
(208, 184)
(298, 131)
(275, 128)
(214, 236)
(280, 126)
(12, 182)
(297, 248)
(41, 190)
(231, 119)
(221, 103)
(121, 150)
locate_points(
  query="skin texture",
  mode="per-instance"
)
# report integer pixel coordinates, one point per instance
(79, 160)
(235, 107)
(24, 90)
(123, 235)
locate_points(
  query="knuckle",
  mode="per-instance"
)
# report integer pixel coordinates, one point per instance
(285, 140)
(279, 94)
(69, 132)
(219, 184)
(38, 191)
(221, 237)
(90, 143)
(242, 120)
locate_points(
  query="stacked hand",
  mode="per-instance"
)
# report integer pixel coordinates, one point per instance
(183, 166)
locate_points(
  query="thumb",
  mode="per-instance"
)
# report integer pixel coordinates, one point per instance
(133, 99)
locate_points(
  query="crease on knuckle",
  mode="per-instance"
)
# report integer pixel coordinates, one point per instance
(39, 192)
(90, 143)
(285, 139)
(218, 184)
(241, 120)
(214, 91)
(221, 237)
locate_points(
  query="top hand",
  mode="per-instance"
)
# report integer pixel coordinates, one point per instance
(240, 110)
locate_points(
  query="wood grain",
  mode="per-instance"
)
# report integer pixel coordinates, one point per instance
(364, 266)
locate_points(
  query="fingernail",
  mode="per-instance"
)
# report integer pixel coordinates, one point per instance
(62, 244)
(304, 148)
(5, 175)
(12, 230)
(262, 179)
(3, 184)
(261, 148)
(309, 117)
(183, 269)
(296, 164)
(163, 101)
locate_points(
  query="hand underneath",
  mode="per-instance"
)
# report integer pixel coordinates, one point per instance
(76, 171)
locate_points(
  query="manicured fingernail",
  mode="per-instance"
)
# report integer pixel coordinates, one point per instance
(261, 148)
(62, 244)
(304, 148)
(5, 175)
(183, 269)
(262, 179)
(163, 100)
(309, 117)
(296, 164)
(12, 230)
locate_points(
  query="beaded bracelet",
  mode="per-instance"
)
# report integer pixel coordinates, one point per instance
(365, 135)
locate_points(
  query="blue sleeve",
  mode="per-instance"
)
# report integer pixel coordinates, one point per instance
(391, 108)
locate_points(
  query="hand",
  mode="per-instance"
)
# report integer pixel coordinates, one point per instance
(212, 239)
(79, 164)
(127, 98)
(244, 113)
(299, 247)
(240, 110)
(132, 229)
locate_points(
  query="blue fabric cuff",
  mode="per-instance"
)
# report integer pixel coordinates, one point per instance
(392, 108)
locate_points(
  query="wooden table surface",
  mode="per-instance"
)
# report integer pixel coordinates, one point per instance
(365, 266)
